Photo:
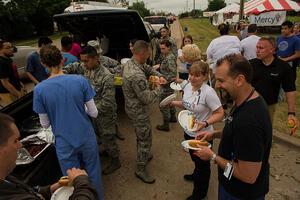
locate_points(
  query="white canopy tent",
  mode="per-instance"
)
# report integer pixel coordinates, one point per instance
(261, 12)
(228, 14)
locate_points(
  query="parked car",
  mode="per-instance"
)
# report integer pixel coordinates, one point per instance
(20, 58)
(44, 169)
(115, 28)
(157, 22)
(154, 37)
(171, 19)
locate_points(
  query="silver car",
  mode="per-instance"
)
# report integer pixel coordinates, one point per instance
(20, 58)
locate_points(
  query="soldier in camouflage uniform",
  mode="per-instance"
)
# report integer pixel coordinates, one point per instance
(113, 66)
(165, 35)
(103, 83)
(137, 98)
(168, 70)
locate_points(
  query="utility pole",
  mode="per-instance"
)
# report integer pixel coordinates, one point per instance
(187, 5)
(194, 11)
(241, 9)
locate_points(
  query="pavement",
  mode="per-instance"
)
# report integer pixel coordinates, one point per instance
(286, 139)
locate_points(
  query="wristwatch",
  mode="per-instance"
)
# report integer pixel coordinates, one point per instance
(206, 124)
(213, 158)
(292, 113)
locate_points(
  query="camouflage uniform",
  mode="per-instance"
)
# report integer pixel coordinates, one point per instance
(168, 70)
(103, 83)
(112, 65)
(158, 57)
(137, 98)
(115, 68)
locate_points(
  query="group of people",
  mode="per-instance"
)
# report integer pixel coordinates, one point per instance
(11, 88)
(75, 92)
(251, 71)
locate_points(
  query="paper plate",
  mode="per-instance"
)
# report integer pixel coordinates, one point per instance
(124, 60)
(186, 145)
(175, 86)
(167, 100)
(62, 193)
(184, 117)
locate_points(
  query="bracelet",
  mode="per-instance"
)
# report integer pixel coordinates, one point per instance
(213, 158)
(206, 124)
(292, 113)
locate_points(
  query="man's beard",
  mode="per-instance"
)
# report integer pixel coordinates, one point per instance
(9, 55)
(225, 97)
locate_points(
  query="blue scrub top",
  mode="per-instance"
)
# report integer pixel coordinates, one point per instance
(69, 58)
(62, 98)
(35, 67)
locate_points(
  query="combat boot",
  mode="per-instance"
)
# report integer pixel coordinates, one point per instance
(119, 135)
(150, 157)
(113, 166)
(142, 174)
(173, 118)
(164, 127)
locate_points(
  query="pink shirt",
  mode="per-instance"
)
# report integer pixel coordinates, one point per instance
(75, 50)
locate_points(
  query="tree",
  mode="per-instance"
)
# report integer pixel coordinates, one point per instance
(141, 8)
(24, 18)
(214, 5)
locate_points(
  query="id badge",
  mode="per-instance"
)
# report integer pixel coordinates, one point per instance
(197, 99)
(228, 171)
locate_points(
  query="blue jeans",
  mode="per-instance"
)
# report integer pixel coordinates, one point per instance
(224, 195)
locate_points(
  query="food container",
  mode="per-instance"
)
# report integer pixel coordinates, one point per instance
(33, 146)
(118, 80)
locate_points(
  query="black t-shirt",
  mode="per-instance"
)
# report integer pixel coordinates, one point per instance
(267, 79)
(6, 71)
(247, 136)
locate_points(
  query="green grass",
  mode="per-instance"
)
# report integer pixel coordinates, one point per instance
(33, 41)
(203, 33)
(293, 18)
(201, 30)
(280, 119)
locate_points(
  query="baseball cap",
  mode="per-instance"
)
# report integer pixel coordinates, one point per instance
(96, 45)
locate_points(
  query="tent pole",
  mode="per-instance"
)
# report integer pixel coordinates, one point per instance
(241, 9)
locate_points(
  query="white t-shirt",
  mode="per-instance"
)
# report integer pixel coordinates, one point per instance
(181, 65)
(202, 102)
(249, 46)
(220, 47)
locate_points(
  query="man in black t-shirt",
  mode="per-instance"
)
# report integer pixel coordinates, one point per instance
(243, 156)
(10, 86)
(269, 73)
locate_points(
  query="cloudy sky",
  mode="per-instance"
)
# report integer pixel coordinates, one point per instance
(176, 6)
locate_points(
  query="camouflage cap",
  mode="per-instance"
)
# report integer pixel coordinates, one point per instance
(243, 21)
(96, 45)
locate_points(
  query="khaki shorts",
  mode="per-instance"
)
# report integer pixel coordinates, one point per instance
(272, 109)
(6, 98)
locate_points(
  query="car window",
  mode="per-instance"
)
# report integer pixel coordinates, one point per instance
(156, 20)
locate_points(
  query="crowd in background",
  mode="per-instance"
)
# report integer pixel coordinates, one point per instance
(252, 70)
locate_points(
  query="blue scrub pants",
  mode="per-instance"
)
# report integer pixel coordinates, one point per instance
(85, 156)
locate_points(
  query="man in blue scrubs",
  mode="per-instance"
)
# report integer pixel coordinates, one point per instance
(64, 102)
